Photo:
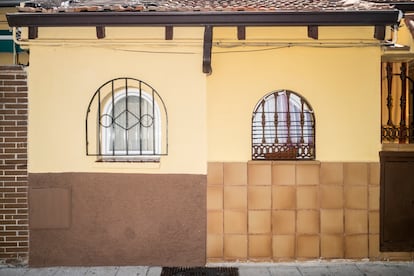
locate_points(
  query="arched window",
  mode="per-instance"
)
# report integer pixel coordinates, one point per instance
(283, 127)
(130, 120)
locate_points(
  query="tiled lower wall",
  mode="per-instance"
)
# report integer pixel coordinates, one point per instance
(282, 211)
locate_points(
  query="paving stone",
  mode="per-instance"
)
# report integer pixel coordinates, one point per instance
(375, 269)
(289, 269)
(72, 271)
(320, 270)
(44, 271)
(102, 271)
(401, 269)
(344, 270)
(284, 271)
(132, 271)
(154, 271)
(12, 271)
(256, 271)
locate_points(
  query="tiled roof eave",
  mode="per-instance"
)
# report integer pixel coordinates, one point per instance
(274, 18)
(404, 6)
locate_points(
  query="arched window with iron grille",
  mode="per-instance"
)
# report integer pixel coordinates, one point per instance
(283, 127)
(126, 117)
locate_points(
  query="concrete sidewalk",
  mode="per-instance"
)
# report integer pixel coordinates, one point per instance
(342, 268)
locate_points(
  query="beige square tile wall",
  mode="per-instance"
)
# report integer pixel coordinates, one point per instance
(283, 211)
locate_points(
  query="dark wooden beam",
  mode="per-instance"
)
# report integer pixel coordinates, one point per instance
(313, 32)
(283, 18)
(100, 32)
(379, 32)
(241, 32)
(208, 43)
(33, 32)
(169, 32)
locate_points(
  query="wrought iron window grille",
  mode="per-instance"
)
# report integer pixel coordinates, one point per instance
(126, 117)
(283, 128)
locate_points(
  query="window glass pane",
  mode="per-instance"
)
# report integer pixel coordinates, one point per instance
(295, 108)
(133, 125)
(119, 126)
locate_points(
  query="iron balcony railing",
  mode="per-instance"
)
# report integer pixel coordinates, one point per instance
(399, 117)
(289, 135)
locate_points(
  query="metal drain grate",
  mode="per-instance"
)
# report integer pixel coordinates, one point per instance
(200, 271)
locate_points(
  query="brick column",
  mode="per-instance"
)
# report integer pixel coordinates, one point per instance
(14, 226)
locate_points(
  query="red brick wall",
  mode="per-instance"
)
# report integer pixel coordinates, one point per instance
(14, 233)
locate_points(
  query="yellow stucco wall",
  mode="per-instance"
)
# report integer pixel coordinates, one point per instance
(342, 83)
(404, 36)
(209, 116)
(63, 79)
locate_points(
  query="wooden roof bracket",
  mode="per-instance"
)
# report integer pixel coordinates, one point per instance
(33, 32)
(241, 32)
(207, 45)
(379, 32)
(100, 32)
(169, 32)
(313, 31)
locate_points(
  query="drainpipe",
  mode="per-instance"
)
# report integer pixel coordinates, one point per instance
(394, 29)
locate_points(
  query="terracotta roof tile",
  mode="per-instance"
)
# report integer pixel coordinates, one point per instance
(203, 5)
(391, 1)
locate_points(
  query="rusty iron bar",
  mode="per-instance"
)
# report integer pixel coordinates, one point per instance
(113, 116)
(302, 121)
(263, 122)
(389, 96)
(288, 121)
(403, 103)
(276, 118)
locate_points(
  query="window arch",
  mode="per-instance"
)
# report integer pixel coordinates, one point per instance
(283, 127)
(126, 117)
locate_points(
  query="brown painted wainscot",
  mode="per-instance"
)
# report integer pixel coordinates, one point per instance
(117, 219)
